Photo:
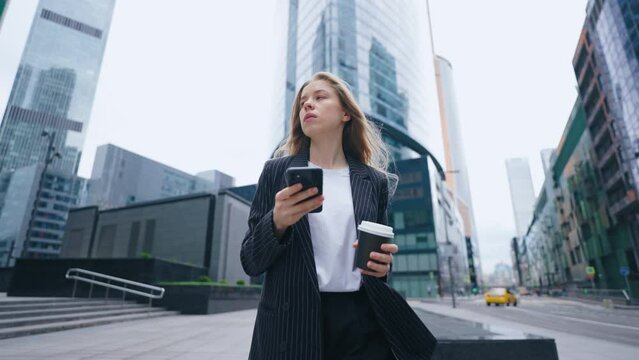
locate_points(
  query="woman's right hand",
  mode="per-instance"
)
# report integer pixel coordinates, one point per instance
(290, 208)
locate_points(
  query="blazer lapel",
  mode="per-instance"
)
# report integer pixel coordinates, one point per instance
(361, 192)
(361, 189)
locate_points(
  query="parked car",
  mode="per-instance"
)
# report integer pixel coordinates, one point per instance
(523, 291)
(500, 296)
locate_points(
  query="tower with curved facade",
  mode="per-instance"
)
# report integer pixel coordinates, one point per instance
(455, 158)
(383, 50)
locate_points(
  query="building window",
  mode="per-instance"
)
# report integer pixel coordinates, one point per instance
(400, 263)
(398, 220)
(149, 234)
(409, 193)
(417, 218)
(133, 239)
(70, 23)
(411, 177)
(106, 241)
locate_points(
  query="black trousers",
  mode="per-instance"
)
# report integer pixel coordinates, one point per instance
(350, 330)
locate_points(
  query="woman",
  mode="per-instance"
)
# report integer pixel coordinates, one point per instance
(314, 306)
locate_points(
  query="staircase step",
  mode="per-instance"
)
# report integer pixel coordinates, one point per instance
(7, 323)
(66, 310)
(8, 300)
(16, 305)
(67, 325)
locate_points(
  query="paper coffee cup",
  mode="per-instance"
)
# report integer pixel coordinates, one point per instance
(371, 237)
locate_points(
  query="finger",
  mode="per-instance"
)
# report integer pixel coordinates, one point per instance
(355, 243)
(288, 191)
(379, 257)
(390, 248)
(370, 273)
(308, 205)
(380, 268)
(302, 195)
(293, 189)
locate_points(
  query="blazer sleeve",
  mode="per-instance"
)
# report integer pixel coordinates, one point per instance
(382, 209)
(382, 212)
(261, 247)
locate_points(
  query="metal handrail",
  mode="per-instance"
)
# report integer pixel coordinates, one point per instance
(78, 277)
(600, 294)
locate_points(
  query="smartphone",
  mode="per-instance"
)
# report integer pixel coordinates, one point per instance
(309, 177)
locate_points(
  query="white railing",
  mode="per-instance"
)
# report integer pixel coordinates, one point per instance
(94, 278)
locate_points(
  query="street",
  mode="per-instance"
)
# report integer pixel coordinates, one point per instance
(616, 325)
(581, 331)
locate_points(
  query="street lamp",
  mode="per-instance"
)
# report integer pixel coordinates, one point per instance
(48, 159)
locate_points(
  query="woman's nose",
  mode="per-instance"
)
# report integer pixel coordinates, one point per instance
(308, 105)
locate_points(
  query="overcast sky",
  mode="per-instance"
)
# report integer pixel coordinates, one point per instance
(190, 84)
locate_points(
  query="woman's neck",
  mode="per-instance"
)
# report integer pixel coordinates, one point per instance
(327, 154)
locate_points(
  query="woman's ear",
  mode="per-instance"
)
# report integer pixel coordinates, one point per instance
(346, 117)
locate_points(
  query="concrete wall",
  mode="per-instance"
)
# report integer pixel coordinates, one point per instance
(231, 224)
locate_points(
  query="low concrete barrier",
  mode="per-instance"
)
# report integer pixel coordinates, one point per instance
(209, 299)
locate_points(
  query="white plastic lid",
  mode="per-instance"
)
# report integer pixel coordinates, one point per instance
(377, 229)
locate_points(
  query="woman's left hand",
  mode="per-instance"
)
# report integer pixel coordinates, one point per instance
(381, 265)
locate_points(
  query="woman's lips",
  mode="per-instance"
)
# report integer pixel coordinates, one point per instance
(308, 117)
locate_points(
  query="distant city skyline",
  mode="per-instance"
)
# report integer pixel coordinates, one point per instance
(505, 64)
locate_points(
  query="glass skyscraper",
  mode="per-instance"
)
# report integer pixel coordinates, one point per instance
(606, 65)
(55, 84)
(455, 158)
(3, 6)
(383, 51)
(614, 33)
(53, 91)
(522, 193)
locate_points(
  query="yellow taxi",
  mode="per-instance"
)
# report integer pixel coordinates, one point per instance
(500, 296)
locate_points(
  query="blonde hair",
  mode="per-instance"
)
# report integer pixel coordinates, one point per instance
(361, 139)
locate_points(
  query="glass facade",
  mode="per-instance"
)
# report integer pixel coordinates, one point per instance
(572, 227)
(424, 218)
(613, 26)
(383, 51)
(416, 266)
(521, 192)
(455, 157)
(60, 192)
(607, 70)
(55, 84)
(3, 6)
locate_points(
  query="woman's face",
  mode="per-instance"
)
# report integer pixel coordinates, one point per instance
(321, 113)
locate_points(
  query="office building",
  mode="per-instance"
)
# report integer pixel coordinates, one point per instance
(521, 193)
(457, 177)
(55, 83)
(121, 178)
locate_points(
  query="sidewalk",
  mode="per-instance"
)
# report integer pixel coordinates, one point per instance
(189, 337)
(184, 337)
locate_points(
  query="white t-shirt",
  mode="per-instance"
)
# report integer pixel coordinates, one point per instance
(333, 233)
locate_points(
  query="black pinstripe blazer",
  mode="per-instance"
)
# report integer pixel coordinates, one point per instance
(288, 316)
